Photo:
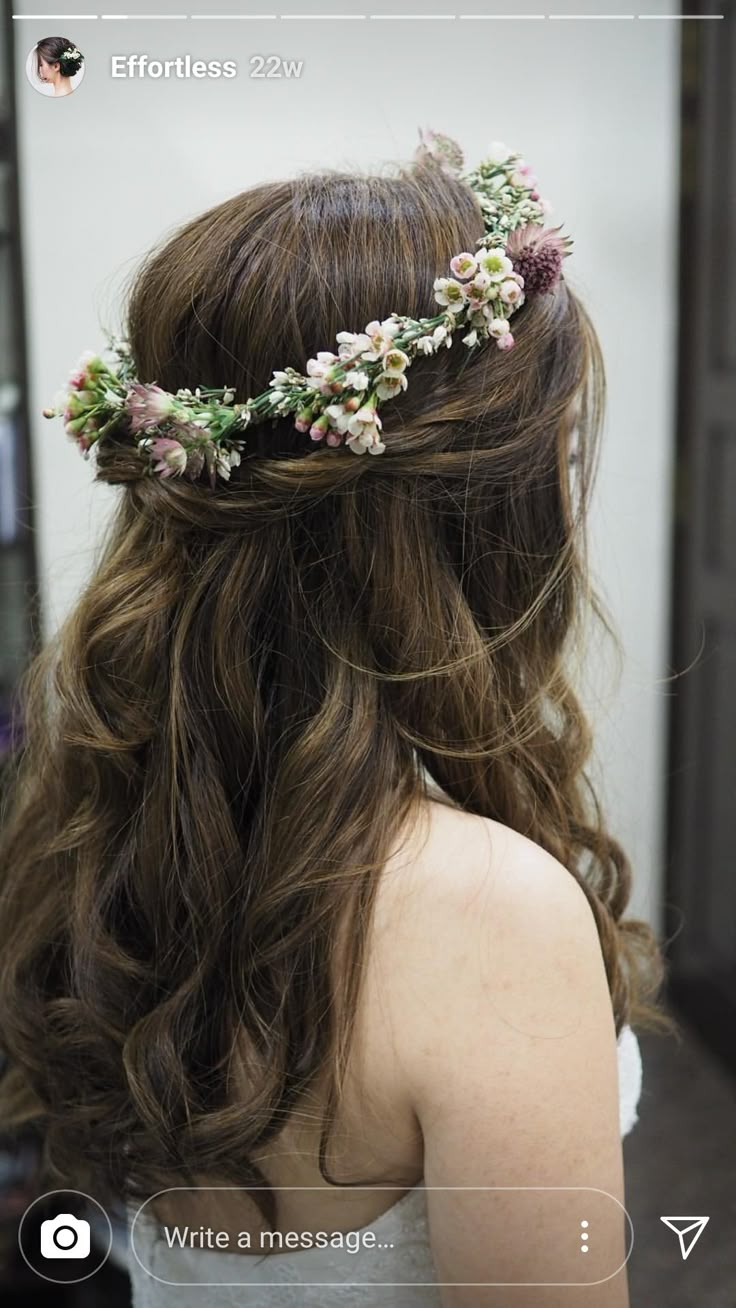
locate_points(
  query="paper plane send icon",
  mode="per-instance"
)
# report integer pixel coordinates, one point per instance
(687, 1229)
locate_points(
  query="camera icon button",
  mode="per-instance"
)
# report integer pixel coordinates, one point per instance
(55, 1237)
(65, 1236)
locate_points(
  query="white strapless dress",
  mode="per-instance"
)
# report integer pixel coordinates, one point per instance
(403, 1276)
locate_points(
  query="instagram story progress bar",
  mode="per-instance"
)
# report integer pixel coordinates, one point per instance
(375, 17)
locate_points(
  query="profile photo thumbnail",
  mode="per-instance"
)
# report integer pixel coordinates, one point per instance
(55, 66)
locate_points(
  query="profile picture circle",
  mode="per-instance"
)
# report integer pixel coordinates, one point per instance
(55, 66)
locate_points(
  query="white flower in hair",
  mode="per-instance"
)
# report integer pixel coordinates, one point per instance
(389, 385)
(339, 415)
(496, 263)
(449, 291)
(352, 343)
(498, 327)
(381, 337)
(395, 362)
(511, 293)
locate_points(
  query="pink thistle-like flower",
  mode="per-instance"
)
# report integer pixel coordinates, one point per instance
(147, 406)
(172, 456)
(536, 253)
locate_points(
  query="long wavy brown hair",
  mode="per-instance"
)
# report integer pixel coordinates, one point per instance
(224, 738)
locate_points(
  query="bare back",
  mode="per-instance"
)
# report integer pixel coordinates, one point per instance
(484, 1029)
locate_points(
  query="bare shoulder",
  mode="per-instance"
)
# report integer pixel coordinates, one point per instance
(479, 929)
(473, 876)
(498, 1000)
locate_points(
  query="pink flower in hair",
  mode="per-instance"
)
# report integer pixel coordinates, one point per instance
(172, 455)
(88, 366)
(523, 175)
(464, 265)
(536, 253)
(303, 420)
(147, 406)
(477, 291)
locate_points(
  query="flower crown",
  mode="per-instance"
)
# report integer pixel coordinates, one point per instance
(337, 400)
